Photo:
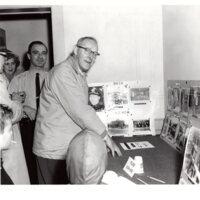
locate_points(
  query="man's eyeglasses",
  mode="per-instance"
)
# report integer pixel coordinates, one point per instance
(89, 51)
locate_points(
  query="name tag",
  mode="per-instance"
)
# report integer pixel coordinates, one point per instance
(129, 167)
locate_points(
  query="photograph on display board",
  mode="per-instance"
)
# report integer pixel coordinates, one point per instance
(96, 97)
(165, 126)
(181, 136)
(118, 123)
(116, 95)
(139, 94)
(174, 99)
(172, 129)
(191, 162)
(170, 98)
(196, 106)
(185, 94)
(194, 102)
(141, 125)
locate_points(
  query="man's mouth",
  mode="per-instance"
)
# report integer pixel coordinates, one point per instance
(88, 61)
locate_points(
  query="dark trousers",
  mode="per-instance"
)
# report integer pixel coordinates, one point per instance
(27, 132)
(51, 171)
(5, 178)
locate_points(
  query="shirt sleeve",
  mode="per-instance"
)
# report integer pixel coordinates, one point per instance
(13, 86)
(17, 111)
(16, 106)
(68, 92)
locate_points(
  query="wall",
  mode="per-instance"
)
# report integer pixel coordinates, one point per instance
(181, 43)
(130, 43)
(19, 33)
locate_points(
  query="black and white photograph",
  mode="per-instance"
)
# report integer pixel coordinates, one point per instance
(80, 78)
(116, 95)
(196, 102)
(185, 94)
(118, 123)
(191, 162)
(172, 129)
(139, 94)
(165, 126)
(96, 97)
(181, 136)
(141, 125)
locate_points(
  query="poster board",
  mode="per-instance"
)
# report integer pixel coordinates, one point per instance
(125, 107)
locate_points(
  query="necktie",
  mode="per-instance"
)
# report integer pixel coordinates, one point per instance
(37, 86)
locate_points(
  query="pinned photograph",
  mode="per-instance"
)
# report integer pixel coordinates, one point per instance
(96, 98)
(139, 94)
(117, 95)
(141, 125)
(118, 123)
(174, 99)
(196, 105)
(194, 102)
(185, 94)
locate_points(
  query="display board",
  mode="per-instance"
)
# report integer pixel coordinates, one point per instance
(125, 107)
(183, 108)
(181, 126)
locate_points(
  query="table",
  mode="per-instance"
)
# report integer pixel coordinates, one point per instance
(162, 162)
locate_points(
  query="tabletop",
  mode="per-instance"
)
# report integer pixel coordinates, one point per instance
(161, 162)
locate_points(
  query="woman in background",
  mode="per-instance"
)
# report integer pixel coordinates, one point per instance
(10, 66)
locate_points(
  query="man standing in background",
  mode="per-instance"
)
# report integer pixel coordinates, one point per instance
(64, 112)
(31, 82)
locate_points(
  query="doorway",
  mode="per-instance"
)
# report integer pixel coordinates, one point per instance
(24, 25)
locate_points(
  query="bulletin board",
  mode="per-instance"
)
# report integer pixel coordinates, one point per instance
(125, 107)
(182, 113)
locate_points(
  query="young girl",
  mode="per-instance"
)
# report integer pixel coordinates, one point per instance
(13, 162)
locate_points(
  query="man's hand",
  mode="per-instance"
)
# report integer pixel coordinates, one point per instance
(112, 146)
(30, 112)
(19, 96)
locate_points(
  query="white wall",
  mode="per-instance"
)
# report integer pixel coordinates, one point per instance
(181, 37)
(130, 43)
(181, 43)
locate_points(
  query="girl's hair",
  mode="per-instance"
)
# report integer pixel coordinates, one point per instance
(5, 113)
(15, 57)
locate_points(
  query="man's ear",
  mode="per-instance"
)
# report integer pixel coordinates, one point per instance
(75, 50)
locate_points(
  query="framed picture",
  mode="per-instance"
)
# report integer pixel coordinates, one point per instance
(172, 129)
(165, 126)
(181, 136)
(196, 102)
(185, 94)
(191, 162)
